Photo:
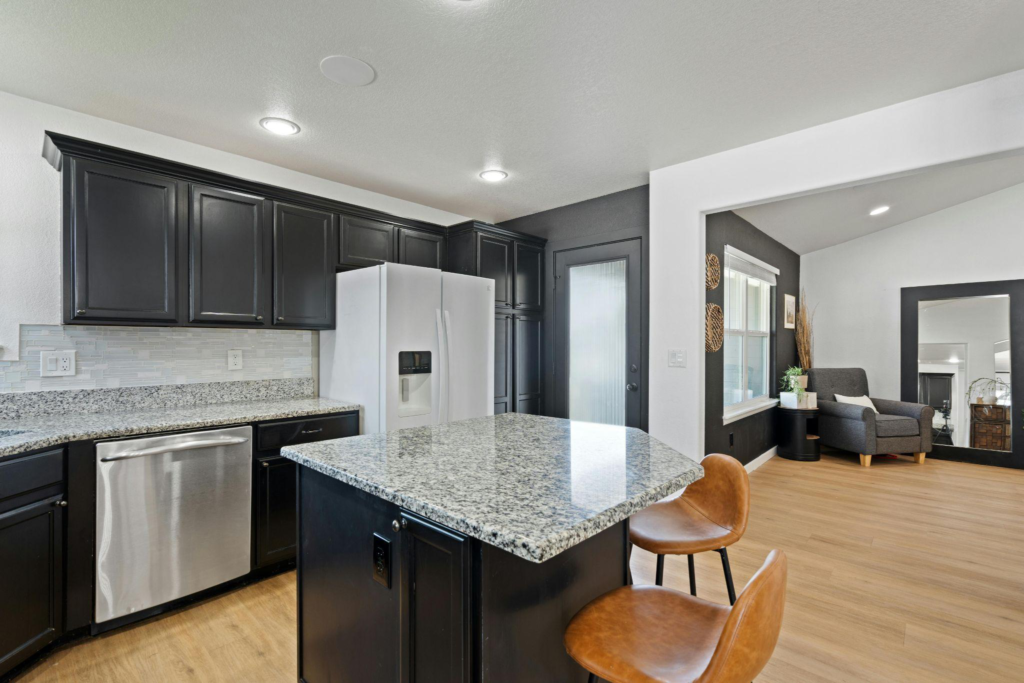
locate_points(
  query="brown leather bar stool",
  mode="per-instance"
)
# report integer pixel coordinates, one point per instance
(710, 515)
(648, 634)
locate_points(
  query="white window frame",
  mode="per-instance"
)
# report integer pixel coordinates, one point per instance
(751, 406)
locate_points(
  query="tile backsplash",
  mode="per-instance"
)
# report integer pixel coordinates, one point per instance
(109, 357)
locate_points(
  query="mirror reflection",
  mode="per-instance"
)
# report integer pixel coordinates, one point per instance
(964, 370)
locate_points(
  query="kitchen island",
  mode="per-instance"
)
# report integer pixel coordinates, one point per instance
(459, 552)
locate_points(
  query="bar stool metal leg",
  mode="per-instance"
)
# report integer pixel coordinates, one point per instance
(659, 575)
(693, 576)
(728, 575)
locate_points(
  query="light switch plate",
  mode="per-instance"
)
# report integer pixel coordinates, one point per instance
(677, 358)
(57, 363)
(235, 359)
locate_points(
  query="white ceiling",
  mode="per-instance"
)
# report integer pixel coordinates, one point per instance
(817, 221)
(574, 98)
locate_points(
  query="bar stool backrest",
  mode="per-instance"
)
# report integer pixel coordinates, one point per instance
(752, 629)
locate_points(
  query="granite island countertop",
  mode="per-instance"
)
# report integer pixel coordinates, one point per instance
(32, 433)
(534, 486)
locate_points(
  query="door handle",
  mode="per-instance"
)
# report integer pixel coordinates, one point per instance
(185, 446)
(632, 386)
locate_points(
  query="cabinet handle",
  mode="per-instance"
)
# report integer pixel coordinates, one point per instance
(60, 503)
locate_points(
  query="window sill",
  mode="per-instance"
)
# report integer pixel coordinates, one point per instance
(742, 410)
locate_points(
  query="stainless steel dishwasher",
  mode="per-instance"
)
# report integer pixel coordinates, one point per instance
(173, 517)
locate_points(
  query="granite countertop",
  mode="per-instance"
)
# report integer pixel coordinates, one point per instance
(28, 434)
(534, 486)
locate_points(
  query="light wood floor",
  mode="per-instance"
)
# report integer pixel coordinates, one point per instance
(900, 572)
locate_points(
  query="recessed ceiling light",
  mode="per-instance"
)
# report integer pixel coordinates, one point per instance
(347, 70)
(494, 175)
(280, 126)
(878, 211)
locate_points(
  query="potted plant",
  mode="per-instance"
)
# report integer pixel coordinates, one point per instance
(794, 392)
(987, 389)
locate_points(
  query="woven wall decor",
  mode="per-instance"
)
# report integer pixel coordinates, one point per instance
(714, 328)
(714, 271)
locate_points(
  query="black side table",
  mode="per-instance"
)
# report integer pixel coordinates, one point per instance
(796, 442)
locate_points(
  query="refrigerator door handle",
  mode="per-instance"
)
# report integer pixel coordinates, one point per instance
(448, 365)
(442, 346)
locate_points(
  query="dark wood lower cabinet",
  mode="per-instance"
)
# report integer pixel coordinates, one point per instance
(31, 578)
(529, 378)
(275, 499)
(435, 602)
(387, 596)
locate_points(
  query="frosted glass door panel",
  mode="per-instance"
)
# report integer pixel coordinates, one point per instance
(597, 342)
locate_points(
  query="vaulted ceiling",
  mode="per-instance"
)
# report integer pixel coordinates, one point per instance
(574, 99)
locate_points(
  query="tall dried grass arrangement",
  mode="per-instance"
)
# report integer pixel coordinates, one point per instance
(804, 333)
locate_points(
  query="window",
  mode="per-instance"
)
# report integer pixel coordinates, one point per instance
(748, 307)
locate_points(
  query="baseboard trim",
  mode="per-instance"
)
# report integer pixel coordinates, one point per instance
(761, 459)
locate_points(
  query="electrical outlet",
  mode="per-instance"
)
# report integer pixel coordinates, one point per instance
(57, 363)
(235, 359)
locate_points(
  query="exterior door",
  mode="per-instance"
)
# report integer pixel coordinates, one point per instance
(598, 328)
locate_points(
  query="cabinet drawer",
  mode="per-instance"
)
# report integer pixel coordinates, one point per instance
(26, 480)
(278, 434)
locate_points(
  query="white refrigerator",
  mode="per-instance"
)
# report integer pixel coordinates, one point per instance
(414, 346)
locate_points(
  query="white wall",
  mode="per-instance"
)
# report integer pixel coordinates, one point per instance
(979, 119)
(30, 200)
(855, 287)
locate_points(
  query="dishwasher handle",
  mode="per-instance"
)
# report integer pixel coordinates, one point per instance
(184, 446)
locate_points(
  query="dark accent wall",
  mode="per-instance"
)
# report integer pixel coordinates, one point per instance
(754, 435)
(611, 218)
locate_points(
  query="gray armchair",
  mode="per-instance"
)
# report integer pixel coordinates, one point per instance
(897, 428)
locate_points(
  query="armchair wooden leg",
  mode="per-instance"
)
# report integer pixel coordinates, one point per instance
(865, 460)
(919, 458)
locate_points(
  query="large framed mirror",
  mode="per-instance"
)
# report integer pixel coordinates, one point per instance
(959, 345)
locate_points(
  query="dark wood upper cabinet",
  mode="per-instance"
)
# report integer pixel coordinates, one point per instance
(366, 242)
(125, 244)
(229, 249)
(494, 259)
(529, 386)
(503, 363)
(303, 267)
(32, 579)
(421, 248)
(529, 280)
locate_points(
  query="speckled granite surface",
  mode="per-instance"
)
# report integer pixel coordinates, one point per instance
(28, 434)
(533, 486)
(19, 405)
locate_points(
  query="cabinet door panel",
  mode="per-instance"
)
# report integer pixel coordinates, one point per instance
(494, 260)
(31, 580)
(275, 510)
(503, 363)
(348, 622)
(529, 283)
(228, 248)
(436, 586)
(418, 248)
(529, 383)
(125, 247)
(366, 242)
(303, 267)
